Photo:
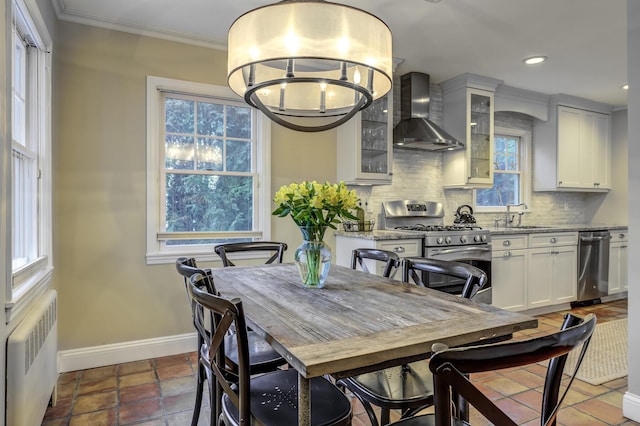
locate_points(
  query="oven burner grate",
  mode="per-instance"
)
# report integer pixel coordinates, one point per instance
(437, 228)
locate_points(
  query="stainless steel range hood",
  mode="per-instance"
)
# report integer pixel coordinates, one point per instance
(415, 130)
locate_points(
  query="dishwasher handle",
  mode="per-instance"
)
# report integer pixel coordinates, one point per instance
(593, 239)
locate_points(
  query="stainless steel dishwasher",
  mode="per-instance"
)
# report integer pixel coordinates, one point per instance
(593, 267)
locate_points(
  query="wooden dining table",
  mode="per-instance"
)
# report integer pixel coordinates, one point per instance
(358, 322)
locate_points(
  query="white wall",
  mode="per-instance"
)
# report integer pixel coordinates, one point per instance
(631, 403)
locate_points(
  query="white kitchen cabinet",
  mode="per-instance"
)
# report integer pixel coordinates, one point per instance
(364, 152)
(572, 150)
(468, 116)
(402, 247)
(618, 257)
(534, 270)
(553, 272)
(509, 271)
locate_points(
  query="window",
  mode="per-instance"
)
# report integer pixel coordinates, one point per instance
(207, 170)
(511, 176)
(31, 159)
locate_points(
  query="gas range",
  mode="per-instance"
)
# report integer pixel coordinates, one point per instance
(426, 218)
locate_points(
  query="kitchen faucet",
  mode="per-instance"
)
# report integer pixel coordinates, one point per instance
(508, 220)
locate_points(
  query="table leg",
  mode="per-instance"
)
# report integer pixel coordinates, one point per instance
(304, 402)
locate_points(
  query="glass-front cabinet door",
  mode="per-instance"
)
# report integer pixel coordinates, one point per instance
(364, 151)
(480, 137)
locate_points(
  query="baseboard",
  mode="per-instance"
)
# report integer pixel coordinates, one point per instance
(631, 406)
(118, 353)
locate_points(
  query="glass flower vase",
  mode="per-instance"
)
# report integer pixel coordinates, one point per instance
(313, 258)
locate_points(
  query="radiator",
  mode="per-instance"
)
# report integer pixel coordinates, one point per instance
(32, 370)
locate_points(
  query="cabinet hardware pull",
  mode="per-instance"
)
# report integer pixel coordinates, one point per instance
(620, 235)
(507, 254)
(398, 249)
(506, 243)
(553, 240)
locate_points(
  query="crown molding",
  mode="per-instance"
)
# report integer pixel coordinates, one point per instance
(65, 14)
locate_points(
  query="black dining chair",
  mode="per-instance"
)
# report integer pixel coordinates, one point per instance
(262, 357)
(275, 250)
(391, 260)
(267, 399)
(409, 387)
(451, 369)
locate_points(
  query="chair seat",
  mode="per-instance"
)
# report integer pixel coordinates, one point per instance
(274, 401)
(405, 386)
(262, 357)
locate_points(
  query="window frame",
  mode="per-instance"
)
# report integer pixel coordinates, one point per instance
(30, 280)
(157, 252)
(525, 170)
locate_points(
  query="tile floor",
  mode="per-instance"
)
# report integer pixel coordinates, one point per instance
(160, 391)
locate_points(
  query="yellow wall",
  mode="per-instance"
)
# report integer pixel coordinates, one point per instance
(107, 292)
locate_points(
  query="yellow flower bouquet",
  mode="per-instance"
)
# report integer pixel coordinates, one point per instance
(314, 207)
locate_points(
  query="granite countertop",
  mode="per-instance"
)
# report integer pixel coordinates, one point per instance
(556, 228)
(383, 234)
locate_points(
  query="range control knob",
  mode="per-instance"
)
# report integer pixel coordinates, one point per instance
(476, 238)
(463, 239)
(447, 240)
(439, 240)
(483, 238)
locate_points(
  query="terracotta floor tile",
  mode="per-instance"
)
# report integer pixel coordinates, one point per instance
(173, 371)
(66, 391)
(104, 384)
(135, 367)
(70, 377)
(137, 379)
(505, 386)
(98, 418)
(142, 410)
(530, 398)
(55, 422)
(94, 402)
(139, 392)
(179, 385)
(180, 402)
(98, 373)
(601, 410)
(525, 378)
(172, 360)
(569, 416)
(520, 413)
(62, 409)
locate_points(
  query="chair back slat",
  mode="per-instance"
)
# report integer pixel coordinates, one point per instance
(276, 250)
(474, 278)
(391, 259)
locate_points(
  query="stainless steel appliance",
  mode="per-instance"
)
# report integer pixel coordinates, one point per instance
(593, 267)
(467, 243)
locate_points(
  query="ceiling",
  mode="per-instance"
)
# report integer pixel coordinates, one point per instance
(585, 40)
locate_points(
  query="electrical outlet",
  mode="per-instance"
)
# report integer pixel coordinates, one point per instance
(367, 206)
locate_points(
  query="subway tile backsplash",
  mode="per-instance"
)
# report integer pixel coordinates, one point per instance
(418, 175)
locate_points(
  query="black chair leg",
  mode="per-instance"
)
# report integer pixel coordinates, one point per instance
(199, 393)
(384, 416)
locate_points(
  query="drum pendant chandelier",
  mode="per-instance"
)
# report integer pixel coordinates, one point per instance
(309, 65)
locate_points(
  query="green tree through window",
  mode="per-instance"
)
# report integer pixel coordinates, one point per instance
(209, 167)
(507, 174)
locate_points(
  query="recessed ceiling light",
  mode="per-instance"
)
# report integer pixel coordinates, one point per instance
(625, 87)
(534, 60)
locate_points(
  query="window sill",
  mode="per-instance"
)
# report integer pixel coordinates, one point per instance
(23, 297)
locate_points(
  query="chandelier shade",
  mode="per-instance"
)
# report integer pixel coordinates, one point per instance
(298, 61)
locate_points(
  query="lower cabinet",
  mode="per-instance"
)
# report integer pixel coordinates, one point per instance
(553, 275)
(404, 248)
(618, 275)
(508, 279)
(531, 271)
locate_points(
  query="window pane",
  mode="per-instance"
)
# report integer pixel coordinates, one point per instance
(208, 203)
(179, 115)
(238, 156)
(179, 152)
(25, 225)
(505, 191)
(210, 119)
(210, 154)
(238, 122)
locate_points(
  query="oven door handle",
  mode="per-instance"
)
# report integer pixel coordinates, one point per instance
(441, 252)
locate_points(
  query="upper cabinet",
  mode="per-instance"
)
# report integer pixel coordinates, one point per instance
(364, 153)
(572, 150)
(468, 115)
